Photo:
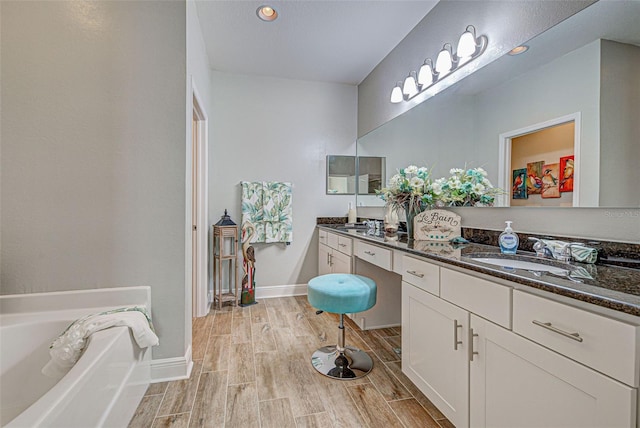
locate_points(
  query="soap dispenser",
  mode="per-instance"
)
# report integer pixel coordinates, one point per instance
(508, 240)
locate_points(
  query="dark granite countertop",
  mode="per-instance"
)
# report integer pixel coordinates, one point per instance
(613, 287)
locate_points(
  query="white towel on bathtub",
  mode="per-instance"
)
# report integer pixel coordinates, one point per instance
(67, 348)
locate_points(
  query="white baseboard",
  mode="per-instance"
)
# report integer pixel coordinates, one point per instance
(167, 369)
(266, 292)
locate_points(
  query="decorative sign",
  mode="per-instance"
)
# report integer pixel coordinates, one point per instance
(443, 249)
(436, 225)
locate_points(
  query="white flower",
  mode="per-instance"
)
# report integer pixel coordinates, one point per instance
(455, 183)
(454, 171)
(478, 189)
(395, 181)
(436, 188)
(416, 183)
(411, 169)
(482, 171)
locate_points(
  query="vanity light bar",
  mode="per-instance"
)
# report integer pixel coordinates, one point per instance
(469, 48)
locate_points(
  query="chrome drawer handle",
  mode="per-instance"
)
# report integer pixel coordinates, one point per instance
(456, 342)
(370, 253)
(549, 326)
(414, 273)
(342, 245)
(471, 351)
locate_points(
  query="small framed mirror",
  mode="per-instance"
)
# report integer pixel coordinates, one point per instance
(371, 174)
(341, 175)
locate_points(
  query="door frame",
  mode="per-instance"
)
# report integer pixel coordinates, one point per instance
(504, 155)
(200, 287)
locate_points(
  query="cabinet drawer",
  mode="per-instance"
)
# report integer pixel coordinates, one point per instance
(423, 275)
(345, 245)
(484, 298)
(378, 256)
(332, 240)
(605, 344)
(322, 237)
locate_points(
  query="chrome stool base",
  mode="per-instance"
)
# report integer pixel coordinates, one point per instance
(352, 363)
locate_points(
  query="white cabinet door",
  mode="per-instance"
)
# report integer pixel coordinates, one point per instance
(340, 263)
(435, 352)
(324, 255)
(518, 383)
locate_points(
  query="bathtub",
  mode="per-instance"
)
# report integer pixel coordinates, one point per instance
(103, 388)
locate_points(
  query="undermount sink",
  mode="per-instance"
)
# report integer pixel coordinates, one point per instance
(510, 262)
(523, 264)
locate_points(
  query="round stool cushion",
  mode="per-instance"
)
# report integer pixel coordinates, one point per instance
(341, 293)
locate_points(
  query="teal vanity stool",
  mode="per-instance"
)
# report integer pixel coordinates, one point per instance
(341, 294)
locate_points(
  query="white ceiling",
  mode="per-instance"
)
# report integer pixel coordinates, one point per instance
(318, 40)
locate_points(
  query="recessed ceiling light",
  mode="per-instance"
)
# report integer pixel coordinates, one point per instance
(267, 13)
(518, 50)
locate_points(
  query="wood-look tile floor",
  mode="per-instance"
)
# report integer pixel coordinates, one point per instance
(252, 368)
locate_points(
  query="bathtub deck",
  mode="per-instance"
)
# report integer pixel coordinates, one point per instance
(252, 369)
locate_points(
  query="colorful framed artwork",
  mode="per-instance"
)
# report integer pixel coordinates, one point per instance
(519, 184)
(567, 167)
(534, 177)
(550, 181)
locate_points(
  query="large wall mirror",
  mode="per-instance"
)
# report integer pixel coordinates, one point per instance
(588, 66)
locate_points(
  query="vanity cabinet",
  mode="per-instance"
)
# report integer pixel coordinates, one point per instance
(434, 353)
(334, 253)
(517, 383)
(460, 351)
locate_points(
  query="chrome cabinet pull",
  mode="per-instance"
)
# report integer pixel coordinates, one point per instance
(330, 259)
(414, 273)
(370, 253)
(549, 326)
(456, 342)
(342, 245)
(471, 351)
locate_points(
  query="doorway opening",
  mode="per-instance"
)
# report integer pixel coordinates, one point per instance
(199, 174)
(539, 165)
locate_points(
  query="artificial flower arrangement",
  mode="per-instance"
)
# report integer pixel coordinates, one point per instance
(412, 188)
(465, 188)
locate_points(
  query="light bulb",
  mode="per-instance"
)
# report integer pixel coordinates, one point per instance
(267, 13)
(444, 63)
(467, 44)
(396, 94)
(410, 88)
(425, 75)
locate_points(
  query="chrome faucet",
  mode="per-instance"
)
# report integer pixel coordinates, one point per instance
(562, 254)
(541, 248)
(565, 253)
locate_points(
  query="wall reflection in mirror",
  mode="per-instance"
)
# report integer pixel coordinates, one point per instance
(587, 67)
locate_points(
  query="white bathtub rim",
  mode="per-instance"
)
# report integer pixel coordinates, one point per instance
(89, 299)
(30, 308)
(38, 412)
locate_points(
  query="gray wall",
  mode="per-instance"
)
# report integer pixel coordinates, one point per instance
(93, 151)
(268, 129)
(620, 124)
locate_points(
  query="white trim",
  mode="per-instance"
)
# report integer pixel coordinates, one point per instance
(504, 155)
(168, 369)
(201, 298)
(266, 292)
